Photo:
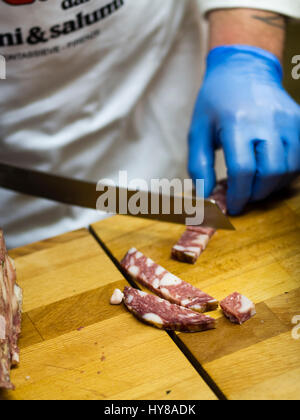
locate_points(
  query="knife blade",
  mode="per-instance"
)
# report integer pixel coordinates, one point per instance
(86, 195)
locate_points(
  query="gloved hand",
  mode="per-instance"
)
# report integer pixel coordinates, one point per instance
(244, 108)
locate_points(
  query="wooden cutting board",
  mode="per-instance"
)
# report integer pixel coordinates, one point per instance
(260, 359)
(75, 345)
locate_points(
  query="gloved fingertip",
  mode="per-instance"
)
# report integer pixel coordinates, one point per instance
(235, 211)
(235, 207)
(204, 181)
(203, 188)
(209, 187)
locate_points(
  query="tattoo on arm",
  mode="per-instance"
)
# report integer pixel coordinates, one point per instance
(276, 21)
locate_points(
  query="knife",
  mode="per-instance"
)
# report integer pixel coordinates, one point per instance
(88, 195)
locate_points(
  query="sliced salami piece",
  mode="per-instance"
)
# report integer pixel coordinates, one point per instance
(195, 239)
(164, 315)
(166, 285)
(237, 308)
(192, 243)
(10, 316)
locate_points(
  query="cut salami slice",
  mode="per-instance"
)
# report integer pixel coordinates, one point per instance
(164, 284)
(162, 314)
(192, 243)
(195, 239)
(10, 316)
(237, 308)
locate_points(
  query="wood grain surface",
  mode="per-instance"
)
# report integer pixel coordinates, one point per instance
(75, 345)
(261, 259)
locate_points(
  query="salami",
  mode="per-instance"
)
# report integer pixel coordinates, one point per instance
(195, 239)
(192, 243)
(219, 195)
(237, 308)
(162, 314)
(165, 284)
(10, 316)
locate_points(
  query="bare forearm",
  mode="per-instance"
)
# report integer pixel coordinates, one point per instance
(248, 27)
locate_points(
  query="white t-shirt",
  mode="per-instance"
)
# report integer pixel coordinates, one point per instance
(94, 87)
(284, 7)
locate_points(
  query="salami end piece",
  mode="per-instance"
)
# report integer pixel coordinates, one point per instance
(10, 316)
(166, 285)
(238, 308)
(164, 315)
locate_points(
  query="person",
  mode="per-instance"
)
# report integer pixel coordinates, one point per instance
(98, 86)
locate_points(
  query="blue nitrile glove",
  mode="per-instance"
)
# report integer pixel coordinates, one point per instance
(244, 108)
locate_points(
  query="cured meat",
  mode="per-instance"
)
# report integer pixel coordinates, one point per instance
(195, 239)
(192, 243)
(10, 316)
(237, 308)
(164, 315)
(165, 284)
(219, 195)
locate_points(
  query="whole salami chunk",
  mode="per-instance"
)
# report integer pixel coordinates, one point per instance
(237, 308)
(219, 195)
(162, 314)
(10, 316)
(195, 239)
(165, 284)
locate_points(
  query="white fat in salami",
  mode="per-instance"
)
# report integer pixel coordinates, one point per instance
(195, 239)
(162, 314)
(10, 316)
(166, 285)
(237, 308)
